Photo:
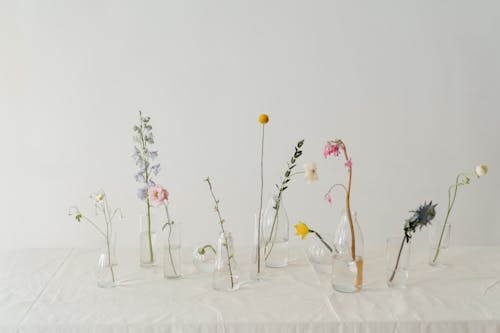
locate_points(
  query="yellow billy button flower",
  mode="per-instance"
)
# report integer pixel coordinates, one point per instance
(263, 119)
(301, 229)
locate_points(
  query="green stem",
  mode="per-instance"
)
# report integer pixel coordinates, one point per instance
(202, 250)
(107, 219)
(322, 240)
(170, 223)
(451, 202)
(397, 260)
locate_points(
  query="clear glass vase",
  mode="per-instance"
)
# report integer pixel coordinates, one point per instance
(319, 255)
(172, 250)
(347, 265)
(439, 242)
(276, 231)
(258, 253)
(149, 240)
(397, 257)
(106, 268)
(225, 277)
(204, 258)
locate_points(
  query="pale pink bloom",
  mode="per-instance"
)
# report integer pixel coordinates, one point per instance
(331, 149)
(329, 198)
(157, 195)
(348, 164)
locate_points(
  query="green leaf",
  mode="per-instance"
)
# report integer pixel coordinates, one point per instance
(297, 154)
(287, 173)
(78, 217)
(301, 143)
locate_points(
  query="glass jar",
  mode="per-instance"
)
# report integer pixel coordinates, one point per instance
(439, 242)
(225, 277)
(319, 255)
(276, 231)
(347, 264)
(397, 256)
(172, 250)
(149, 240)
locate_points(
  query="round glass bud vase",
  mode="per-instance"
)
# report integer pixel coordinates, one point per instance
(276, 231)
(439, 242)
(225, 276)
(347, 264)
(319, 256)
(204, 258)
(149, 240)
(172, 250)
(397, 256)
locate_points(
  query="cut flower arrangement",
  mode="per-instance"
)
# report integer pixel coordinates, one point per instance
(346, 249)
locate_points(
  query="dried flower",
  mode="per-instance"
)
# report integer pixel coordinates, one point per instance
(481, 170)
(263, 119)
(331, 148)
(310, 172)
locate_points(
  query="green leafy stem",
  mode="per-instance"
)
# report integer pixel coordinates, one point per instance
(281, 188)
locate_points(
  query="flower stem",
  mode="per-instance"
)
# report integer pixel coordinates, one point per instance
(107, 219)
(146, 175)
(451, 202)
(221, 222)
(260, 203)
(170, 223)
(322, 240)
(397, 260)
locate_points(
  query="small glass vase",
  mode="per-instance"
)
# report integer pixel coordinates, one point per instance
(439, 242)
(347, 266)
(106, 268)
(276, 230)
(258, 253)
(397, 257)
(319, 255)
(204, 258)
(172, 250)
(149, 240)
(225, 277)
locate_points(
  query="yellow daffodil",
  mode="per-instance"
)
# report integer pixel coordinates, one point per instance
(263, 119)
(301, 229)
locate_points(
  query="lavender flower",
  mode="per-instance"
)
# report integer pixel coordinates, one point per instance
(144, 155)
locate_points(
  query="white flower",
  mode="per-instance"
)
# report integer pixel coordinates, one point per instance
(481, 170)
(310, 172)
(98, 197)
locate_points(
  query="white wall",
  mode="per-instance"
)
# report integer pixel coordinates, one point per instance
(411, 86)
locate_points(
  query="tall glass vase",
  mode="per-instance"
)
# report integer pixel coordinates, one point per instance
(439, 242)
(172, 250)
(225, 277)
(276, 231)
(149, 240)
(347, 268)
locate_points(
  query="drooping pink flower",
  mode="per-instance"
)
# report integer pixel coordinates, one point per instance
(157, 195)
(331, 149)
(348, 164)
(329, 198)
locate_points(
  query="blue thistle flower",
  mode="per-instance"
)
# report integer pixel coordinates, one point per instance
(420, 218)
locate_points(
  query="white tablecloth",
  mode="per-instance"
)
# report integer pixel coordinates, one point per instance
(54, 290)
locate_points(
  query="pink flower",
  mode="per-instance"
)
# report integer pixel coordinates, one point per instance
(331, 149)
(329, 198)
(348, 164)
(157, 195)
